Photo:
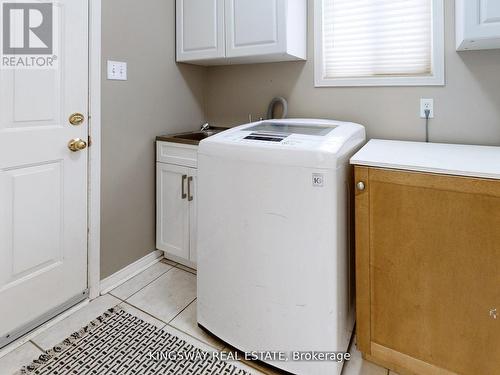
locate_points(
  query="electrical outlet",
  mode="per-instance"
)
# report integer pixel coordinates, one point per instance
(117, 70)
(426, 104)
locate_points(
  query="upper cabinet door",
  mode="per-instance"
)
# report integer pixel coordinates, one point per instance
(218, 32)
(200, 29)
(478, 24)
(255, 27)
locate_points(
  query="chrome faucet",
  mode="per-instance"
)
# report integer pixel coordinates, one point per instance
(205, 127)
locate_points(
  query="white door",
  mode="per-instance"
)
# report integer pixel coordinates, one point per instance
(255, 27)
(43, 185)
(172, 233)
(200, 29)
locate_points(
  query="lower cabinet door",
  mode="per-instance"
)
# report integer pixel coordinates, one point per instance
(428, 272)
(172, 205)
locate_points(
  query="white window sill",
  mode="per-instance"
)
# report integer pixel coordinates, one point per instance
(437, 80)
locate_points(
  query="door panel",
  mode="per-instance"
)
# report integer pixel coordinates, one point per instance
(200, 29)
(255, 27)
(43, 185)
(173, 210)
(490, 11)
(36, 105)
(482, 18)
(245, 13)
(35, 218)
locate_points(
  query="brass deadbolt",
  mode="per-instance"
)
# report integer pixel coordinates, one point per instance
(76, 119)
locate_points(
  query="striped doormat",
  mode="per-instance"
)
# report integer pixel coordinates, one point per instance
(118, 343)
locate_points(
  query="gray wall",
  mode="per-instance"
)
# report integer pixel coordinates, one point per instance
(163, 97)
(467, 108)
(159, 97)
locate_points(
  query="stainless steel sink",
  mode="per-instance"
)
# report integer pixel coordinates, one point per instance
(198, 136)
(193, 138)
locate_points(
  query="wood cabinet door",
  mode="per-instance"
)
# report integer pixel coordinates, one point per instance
(200, 29)
(255, 27)
(172, 205)
(428, 271)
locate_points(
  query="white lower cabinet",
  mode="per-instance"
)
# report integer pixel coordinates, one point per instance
(176, 211)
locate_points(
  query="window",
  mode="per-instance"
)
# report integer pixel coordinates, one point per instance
(379, 42)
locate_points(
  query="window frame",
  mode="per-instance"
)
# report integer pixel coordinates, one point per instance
(438, 59)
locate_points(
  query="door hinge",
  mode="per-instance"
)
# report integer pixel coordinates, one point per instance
(89, 141)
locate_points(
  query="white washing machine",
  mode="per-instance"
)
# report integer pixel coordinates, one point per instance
(274, 261)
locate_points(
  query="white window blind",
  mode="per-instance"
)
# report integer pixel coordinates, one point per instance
(377, 38)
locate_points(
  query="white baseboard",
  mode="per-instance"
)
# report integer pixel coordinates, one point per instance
(180, 260)
(118, 278)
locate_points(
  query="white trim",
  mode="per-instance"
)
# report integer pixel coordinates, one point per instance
(94, 174)
(24, 339)
(180, 260)
(438, 63)
(118, 278)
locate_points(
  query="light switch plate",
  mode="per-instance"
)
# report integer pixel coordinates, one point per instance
(117, 70)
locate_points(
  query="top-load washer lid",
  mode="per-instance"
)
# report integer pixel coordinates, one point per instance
(299, 142)
(274, 127)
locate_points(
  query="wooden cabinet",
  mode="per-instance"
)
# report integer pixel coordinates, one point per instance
(428, 271)
(477, 24)
(218, 32)
(176, 180)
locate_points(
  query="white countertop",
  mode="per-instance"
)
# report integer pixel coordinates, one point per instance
(460, 160)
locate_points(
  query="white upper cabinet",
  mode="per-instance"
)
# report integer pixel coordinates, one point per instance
(478, 24)
(252, 31)
(266, 30)
(200, 29)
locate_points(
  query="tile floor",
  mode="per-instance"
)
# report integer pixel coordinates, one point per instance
(163, 295)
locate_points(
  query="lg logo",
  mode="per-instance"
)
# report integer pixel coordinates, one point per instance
(27, 28)
(318, 179)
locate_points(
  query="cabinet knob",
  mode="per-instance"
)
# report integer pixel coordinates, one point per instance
(494, 313)
(360, 186)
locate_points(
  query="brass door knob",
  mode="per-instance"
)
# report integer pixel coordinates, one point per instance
(76, 119)
(77, 144)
